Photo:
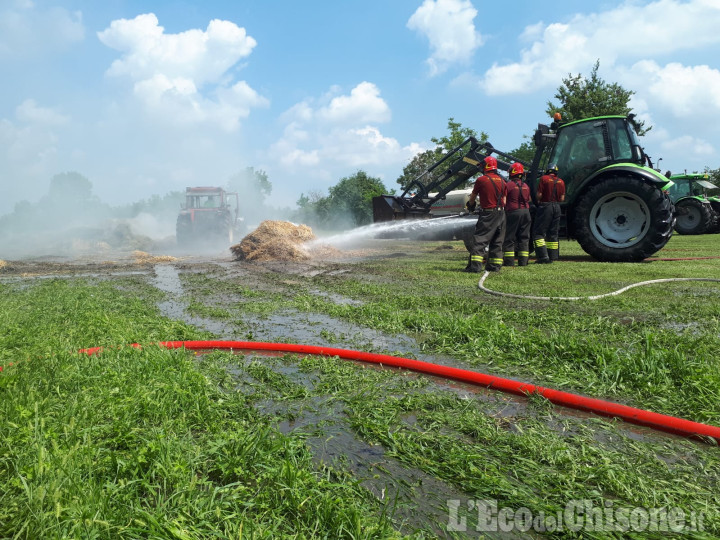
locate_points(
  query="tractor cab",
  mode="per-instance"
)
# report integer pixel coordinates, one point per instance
(690, 185)
(210, 197)
(584, 147)
(208, 214)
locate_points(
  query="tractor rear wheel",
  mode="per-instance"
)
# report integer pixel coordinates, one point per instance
(623, 219)
(693, 216)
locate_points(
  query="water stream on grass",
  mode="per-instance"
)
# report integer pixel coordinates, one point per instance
(432, 228)
(415, 499)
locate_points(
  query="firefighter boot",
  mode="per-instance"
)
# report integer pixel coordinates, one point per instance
(476, 264)
(508, 258)
(494, 265)
(553, 249)
(523, 257)
(541, 253)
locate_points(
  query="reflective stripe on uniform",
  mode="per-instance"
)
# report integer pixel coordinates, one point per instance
(495, 261)
(508, 253)
(476, 258)
(540, 242)
(553, 245)
(523, 253)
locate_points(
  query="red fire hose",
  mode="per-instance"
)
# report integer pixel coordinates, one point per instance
(641, 417)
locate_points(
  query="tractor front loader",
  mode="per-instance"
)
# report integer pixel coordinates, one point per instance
(435, 192)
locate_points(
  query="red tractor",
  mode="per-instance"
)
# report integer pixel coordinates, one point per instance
(210, 214)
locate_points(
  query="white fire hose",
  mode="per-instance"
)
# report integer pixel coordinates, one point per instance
(593, 297)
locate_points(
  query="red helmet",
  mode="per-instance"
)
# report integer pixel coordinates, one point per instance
(490, 164)
(517, 169)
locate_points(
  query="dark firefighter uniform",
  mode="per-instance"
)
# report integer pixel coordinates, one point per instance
(491, 190)
(551, 192)
(518, 222)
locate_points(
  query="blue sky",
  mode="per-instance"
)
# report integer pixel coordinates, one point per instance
(148, 97)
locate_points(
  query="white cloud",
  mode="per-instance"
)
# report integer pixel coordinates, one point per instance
(573, 46)
(364, 104)
(561, 50)
(182, 78)
(685, 105)
(29, 111)
(449, 26)
(687, 144)
(693, 151)
(27, 31)
(29, 152)
(202, 56)
(683, 90)
(336, 136)
(31, 141)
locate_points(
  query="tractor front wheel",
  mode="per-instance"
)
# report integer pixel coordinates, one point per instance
(693, 216)
(183, 230)
(623, 219)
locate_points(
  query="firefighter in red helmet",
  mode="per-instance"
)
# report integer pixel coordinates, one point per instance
(491, 191)
(550, 193)
(517, 218)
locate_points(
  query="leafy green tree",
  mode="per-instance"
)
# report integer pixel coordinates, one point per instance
(166, 206)
(525, 152)
(70, 201)
(714, 175)
(349, 202)
(353, 194)
(585, 97)
(253, 188)
(424, 160)
(70, 187)
(308, 208)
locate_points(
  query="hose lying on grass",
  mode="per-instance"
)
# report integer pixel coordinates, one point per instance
(594, 297)
(657, 421)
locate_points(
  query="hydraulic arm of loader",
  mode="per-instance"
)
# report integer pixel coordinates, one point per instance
(461, 163)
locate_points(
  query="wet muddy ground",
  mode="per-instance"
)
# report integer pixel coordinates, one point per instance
(419, 498)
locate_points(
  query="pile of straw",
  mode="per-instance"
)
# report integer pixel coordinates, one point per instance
(277, 241)
(145, 258)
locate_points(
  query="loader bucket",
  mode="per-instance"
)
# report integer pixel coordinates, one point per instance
(386, 208)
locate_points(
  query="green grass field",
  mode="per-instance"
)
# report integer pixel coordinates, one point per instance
(154, 443)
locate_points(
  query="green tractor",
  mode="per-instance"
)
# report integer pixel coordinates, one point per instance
(695, 211)
(616, 204)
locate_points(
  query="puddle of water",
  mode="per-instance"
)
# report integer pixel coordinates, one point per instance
(167, 278)
(337, 298)
(416, 499)
(679, 327)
